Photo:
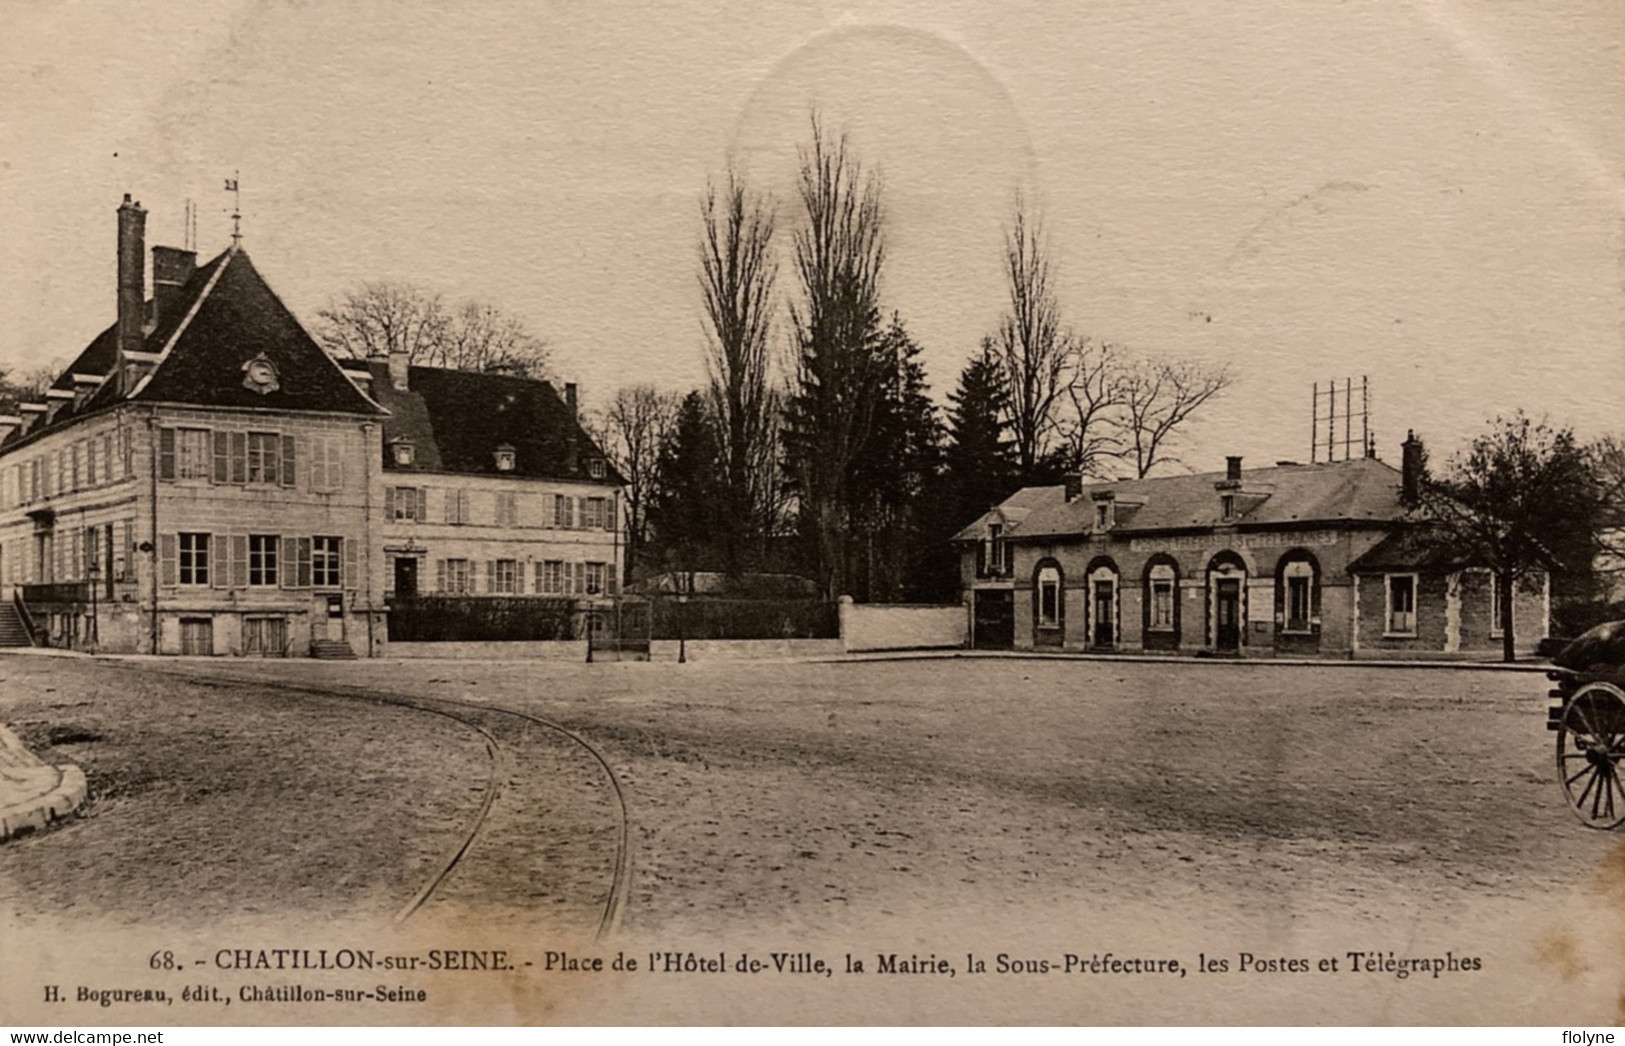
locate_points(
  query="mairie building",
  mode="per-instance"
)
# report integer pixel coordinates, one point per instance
(203, 479)
(1291, 560)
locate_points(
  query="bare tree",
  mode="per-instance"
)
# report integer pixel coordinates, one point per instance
(737, 272)
(631, 431)
(1156, 399)
(839, 250)
(481, 336)
(1034, 353)
(1096, 391)
(17, 388)
(380, 317)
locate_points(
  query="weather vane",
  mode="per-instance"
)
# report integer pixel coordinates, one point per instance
(236, 207)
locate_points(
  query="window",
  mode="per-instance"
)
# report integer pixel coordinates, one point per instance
(1227, 506)
(550, 578)
(407, 504)
(995, 552)
(264, 454)
(231, 457)
(1162, 598)
(90, 463)
(595, 578)
(563, 511)
(505, 576)
(1049, 598)
(325, 571)
(1299, 598)
(192, 453)
(405, 452)
(505, 458)
(194, 559)
(507, 509)
(456, 578)
(595, 468)
(456, 506)
(1103, 515)
(595, 513)
(262, 564)
(326, 466)
(1401, 590)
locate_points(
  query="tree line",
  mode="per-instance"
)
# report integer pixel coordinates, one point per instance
(815, 447)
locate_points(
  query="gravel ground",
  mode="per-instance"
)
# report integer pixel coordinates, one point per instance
(948, 805)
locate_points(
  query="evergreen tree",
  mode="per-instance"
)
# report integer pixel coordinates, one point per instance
(893, 472)
(686, 514)
(979, 467)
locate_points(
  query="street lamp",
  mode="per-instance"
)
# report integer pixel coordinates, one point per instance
(682, 620)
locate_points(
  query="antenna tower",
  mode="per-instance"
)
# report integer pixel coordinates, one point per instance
(1328, 405)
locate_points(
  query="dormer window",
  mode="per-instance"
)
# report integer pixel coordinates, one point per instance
(995, 552)
(1227, 506)
(405, 451)
(595, 468)
(505, 458)
(1105, 511)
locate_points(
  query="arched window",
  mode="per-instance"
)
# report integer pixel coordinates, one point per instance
(1161, 581)
(1048, 585)
(1297, 592)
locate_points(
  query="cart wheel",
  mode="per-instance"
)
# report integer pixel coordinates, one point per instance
(1590, 746)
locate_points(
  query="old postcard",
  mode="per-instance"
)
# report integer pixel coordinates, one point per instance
(901, 513)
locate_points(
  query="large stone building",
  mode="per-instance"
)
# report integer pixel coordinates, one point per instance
(204, 479)
(490, 486)
(1291, 560)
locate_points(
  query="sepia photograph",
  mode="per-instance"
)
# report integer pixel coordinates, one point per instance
(858, 512)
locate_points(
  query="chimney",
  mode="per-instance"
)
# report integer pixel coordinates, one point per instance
(1074, 488)
(171, 268)
(572, 448)
(1232, 469)
(132, 282)
(1413, 462)
(398, 368)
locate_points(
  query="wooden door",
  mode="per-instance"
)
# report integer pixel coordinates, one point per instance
(1227, 614)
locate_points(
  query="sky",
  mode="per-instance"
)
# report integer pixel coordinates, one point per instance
(1428, 194)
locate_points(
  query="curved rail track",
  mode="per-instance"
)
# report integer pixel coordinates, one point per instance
(465, 712)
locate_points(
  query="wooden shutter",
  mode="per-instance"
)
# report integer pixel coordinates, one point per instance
(217, 561)
(348, 578)
(239, 457)
(286, 576)
(490, 575)
(168, 558)
(303, 565)
(610, 578)
(439, 575)
(166, 453)
(423, 504)
(287, 461)
(239, 560)
(222, 457)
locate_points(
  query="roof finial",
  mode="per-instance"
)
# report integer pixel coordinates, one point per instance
(236, 208)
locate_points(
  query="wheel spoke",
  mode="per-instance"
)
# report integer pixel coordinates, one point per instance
(1579, 774)
(1584, 711)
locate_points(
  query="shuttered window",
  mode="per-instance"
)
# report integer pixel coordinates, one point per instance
(193, 560)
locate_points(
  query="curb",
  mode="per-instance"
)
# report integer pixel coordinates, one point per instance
(62, 797)
(1153, 659)
(41, 811)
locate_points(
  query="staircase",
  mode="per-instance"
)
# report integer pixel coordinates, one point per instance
(331, 650)
(12, 630)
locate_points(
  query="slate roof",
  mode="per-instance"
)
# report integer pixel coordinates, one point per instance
(1362, 491)
(1407, 549)
(225, 315)
(457, 419)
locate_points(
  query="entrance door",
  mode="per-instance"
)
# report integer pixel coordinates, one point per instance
(1227, 612)
(1105, 614)
(197, 636)
(994, 620)
(406, 577)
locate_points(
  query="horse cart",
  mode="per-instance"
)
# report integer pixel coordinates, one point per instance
(1588, 715)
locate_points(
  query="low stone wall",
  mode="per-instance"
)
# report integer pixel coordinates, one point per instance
(576, 650)
(505, 650)
(903, 626)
